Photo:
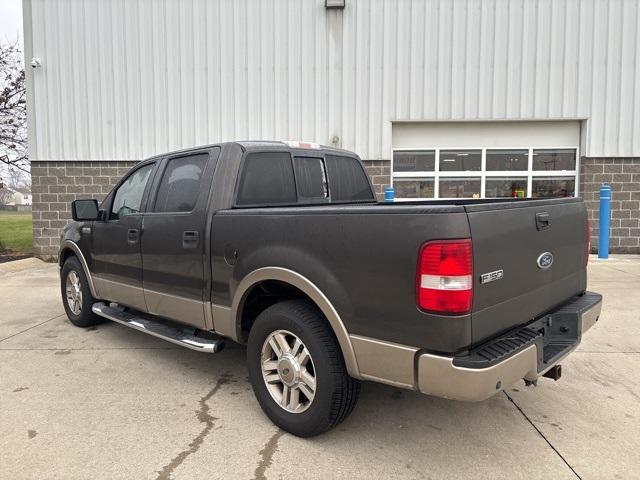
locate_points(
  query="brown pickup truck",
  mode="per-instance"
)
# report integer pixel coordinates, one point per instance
(283, 247)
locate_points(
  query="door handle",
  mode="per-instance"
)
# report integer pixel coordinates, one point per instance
(542, 221)
(132, 236)
(190, 239)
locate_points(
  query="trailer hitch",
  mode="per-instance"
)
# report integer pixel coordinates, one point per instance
(554, 372)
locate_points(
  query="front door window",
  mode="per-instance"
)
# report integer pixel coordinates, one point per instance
(128, 197)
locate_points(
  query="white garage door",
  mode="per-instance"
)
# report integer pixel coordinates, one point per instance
(485, 159)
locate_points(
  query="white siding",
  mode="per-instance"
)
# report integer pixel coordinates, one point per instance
(124, 79)
(508, 135)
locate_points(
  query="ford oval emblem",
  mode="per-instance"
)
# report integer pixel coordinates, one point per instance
(545, 260)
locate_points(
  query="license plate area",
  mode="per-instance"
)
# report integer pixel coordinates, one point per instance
(559, 334)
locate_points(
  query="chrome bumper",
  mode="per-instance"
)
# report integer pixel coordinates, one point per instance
(438, 376)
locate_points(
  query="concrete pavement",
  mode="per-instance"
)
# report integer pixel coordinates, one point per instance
(109, 402)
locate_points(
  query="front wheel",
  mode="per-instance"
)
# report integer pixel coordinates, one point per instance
(297, 369)
(76, 295)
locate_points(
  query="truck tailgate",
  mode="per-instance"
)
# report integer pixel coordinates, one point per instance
(511, 237)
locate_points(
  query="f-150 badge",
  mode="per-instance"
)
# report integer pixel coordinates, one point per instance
(491, 276)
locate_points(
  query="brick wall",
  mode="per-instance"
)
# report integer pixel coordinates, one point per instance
(623, 174)
(380, 173)
(55, 185)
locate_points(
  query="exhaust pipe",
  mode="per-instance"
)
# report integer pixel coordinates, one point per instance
(554, 372)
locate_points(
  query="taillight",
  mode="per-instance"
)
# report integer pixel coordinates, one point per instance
(444, 281)
(588, 240)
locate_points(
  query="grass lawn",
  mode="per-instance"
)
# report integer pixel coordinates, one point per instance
(16, 234)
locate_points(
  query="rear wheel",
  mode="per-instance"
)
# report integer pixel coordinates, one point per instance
(297, 370)
(76, 294)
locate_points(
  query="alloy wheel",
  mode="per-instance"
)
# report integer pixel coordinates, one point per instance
(73, 290)
(288, 371)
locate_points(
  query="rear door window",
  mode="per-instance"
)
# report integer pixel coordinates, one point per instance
(180, 185)
(266, 179)
(347, 180)
(311, 178)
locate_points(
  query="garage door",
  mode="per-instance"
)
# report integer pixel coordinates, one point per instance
(485, 159)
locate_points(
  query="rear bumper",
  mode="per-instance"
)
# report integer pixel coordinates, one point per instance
(524, 353)
(494, 366)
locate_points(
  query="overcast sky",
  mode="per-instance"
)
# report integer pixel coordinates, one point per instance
(10, 19)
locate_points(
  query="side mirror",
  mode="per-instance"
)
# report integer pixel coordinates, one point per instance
(85, 209)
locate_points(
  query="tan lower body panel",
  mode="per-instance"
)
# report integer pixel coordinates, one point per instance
(184, 310)
(385, 362)
(222, 321)
(181, 309)
(123, 293)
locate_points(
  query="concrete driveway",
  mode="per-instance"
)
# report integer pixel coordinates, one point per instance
(109, 402)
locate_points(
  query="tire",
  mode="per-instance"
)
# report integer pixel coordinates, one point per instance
(79, 312)
(334, 394)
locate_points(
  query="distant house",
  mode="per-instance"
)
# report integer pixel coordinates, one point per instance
(22, 196)
(18, 197)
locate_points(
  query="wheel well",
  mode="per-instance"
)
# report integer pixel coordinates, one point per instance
(263, 295)
(65, 254)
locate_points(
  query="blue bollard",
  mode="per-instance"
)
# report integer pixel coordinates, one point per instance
(605, 221)
(389, 193)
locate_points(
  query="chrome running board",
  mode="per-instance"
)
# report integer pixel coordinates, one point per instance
(189, 337)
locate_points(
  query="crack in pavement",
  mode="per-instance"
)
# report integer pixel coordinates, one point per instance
(542, 435)
(31, 327)
(623, 271)
(203, 416)
(266, 454)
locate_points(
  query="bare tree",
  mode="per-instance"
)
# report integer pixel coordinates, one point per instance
(13, 108)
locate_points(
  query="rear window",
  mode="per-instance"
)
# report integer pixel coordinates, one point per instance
(347, 179)
(267, 179)
(311, 178)
(180, 185)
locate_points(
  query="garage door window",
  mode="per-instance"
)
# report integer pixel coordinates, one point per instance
(564, 159)
(508, 160)
(459, 187)
(418, 161)
(554, 187)
(485, 172)
(408, 188)
(460, 160)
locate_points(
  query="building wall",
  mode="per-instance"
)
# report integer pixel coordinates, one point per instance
(623, 174)
(128, 79)
(55, 185)
(122, 80)
(380, 174)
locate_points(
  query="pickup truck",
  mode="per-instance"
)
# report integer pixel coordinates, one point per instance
(283, 247)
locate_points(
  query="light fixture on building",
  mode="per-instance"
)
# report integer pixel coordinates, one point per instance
(334, 3)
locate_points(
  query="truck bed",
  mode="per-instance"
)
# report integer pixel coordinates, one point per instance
(364, 258)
